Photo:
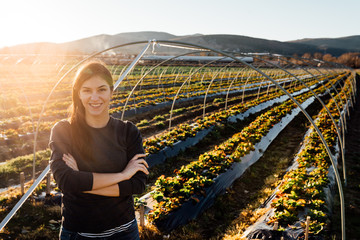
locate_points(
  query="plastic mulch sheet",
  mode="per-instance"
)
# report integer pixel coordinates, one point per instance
(140, 110)
(260, 229)
(167, 152)
(190, 209)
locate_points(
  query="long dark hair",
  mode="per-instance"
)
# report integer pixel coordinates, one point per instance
(80, 135)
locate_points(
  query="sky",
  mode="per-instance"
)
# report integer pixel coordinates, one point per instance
(58, 21)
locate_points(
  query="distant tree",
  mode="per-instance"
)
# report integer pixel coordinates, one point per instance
(329, 58)
(318, 55)
(350, 59)
(295, 60)
(306, 55)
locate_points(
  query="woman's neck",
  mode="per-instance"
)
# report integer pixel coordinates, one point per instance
(97, 122)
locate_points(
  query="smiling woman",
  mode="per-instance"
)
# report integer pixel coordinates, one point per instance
(95, 95)
(97, 161)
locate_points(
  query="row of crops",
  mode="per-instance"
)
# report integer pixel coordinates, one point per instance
(179, 109)
(195, 182)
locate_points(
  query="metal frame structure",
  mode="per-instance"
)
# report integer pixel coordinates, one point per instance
(195, 49)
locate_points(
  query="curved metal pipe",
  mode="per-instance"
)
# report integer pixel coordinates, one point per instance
(332, 118)
(47, 169)
(173, 104)
(342, 117)
(148, 72)
(186, 45)
(208, 88)
(247, 79)
(337, 176)
(232, 81)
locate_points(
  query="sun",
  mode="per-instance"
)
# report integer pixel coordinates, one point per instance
(35, 21)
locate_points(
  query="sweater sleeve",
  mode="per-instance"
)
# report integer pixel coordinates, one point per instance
(136, 184)
(66, 178)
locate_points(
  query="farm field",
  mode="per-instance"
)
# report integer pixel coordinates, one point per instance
(230, 154)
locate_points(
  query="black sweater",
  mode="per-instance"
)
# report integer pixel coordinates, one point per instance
(113, 146)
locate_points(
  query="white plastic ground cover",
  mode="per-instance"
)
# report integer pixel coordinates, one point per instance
(262, 229)
(221, 92)
(177, 84)
(189, 210)
(166, 85)
(167, 152)
(134, 111)
(241, 87)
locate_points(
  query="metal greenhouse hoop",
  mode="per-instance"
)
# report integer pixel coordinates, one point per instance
(232, 81)
(183, 84)
(307, 116)
(208, 88)
(163, 43)
(342, 148)
(141, 79)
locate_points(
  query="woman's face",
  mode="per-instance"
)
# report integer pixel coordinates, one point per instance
(95, 95)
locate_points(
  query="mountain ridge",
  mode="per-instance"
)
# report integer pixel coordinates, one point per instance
(225, 42)
(347, 42)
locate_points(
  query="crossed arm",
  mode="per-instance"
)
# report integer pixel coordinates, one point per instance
(106, 184)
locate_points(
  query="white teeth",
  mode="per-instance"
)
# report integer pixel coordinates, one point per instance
(95, 104)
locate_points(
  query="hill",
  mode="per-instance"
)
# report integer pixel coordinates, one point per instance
(249, 44)
(237, 43)
(351, 43)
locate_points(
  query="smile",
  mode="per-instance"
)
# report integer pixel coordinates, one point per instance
(95, 105)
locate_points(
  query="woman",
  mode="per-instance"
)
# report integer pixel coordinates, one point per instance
(97, 161)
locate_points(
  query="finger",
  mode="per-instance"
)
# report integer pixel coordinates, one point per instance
(66, 157)
(142, 161)
(66, 160)
(69, 158)
(139, 155)
(72, 166)
(69, 163)
(144, 169)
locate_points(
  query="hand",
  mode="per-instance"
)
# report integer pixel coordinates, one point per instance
(70, 161)
(137, 163)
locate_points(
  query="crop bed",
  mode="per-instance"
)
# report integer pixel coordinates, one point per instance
(233, 148)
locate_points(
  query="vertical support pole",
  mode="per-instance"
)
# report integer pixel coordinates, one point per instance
(142, 215)
(22, 182)
(48, 182)
(307, 228)
(276, 226)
